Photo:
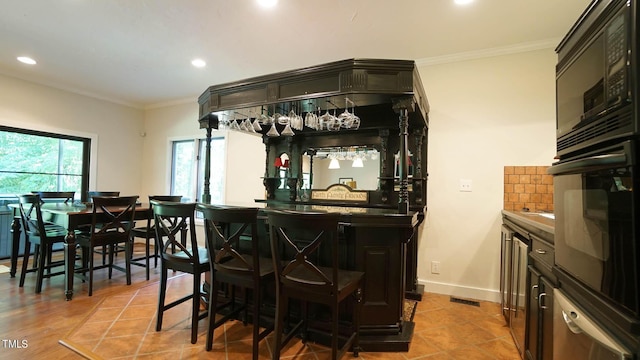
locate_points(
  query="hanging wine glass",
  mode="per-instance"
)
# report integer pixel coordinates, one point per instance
(346, 118)
(287, 131)
(256, 123)
(356, 119)
(334, 122)
(234, 123)
(295, 120)
(282, 119)
(264, 119)
(326, 120)
(273, 132)
(311, 120)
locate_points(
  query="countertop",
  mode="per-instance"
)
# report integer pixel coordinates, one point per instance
(539, 224)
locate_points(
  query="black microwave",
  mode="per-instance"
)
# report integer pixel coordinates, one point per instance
(594, 87)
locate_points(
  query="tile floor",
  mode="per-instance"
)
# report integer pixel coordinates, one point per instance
(123, 327)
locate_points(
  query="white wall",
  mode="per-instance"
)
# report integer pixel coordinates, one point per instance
(161, 126)
(485, 114)
(114, 129)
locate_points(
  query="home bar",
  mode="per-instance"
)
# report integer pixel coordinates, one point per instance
(353, 109)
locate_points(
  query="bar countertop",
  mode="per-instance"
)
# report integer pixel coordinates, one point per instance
(352, 216)
(537, 223)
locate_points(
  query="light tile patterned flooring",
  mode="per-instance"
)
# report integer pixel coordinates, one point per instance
(123, 327)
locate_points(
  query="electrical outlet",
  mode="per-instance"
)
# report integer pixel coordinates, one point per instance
(435, 267)
(465, 185)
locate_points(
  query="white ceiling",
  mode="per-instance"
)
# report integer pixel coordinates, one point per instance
(138, 52)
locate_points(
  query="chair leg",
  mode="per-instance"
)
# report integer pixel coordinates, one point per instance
(356, 321)
(256, 321)
(164, 274)
(49, 256)
(211, 318)
(36, 254)
(112, 249)
(146, 255)
(104, 254)
(156, 253)
(42, 259)
(128, 251)
(281, 309)
(25, 262)
(91, 273)
(245, 316)
(195, 311)
(334, 330)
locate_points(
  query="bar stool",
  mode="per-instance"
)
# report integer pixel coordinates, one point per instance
(47, 197)
(43, 236)
(171, 219)
(304, 247)
(226, 230)
(90, 196)
(109, 229)
(148, 233)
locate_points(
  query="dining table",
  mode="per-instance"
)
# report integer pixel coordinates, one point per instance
(74, 217)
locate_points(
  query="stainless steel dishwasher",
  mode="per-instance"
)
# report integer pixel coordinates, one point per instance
(578, 336)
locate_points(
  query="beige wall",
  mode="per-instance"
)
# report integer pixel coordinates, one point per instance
(485, 114)
(114, 129)
(163, 125)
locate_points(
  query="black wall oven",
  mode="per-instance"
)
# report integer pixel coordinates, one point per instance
(597, 253)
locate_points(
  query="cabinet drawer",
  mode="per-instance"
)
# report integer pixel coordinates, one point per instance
(542, 250)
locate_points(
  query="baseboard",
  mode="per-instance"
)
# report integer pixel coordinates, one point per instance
(456, 290)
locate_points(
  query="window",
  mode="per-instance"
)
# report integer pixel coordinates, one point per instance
(187, 169)
(38, 161)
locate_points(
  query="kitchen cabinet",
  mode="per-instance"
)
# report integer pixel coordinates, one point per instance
(527, 297)
(514, 280)
(539, 344)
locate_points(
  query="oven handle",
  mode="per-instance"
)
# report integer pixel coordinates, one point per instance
(578, 323)
(590, 163)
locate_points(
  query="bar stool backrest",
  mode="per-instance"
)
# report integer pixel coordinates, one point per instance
(56, 196)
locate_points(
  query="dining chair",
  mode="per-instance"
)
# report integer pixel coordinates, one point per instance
(43, 236)
(304, 248)
(90, 196)
(148, 233)
(174, 225)
(63, 197)
(111, 222)
(226, 230)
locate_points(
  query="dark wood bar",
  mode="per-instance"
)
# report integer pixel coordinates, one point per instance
(381, 224)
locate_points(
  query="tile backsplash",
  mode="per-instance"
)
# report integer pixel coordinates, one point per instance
(528, 187)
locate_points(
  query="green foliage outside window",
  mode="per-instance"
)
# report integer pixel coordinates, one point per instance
(30, 162)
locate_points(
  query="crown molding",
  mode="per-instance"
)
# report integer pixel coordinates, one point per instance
(485, 53)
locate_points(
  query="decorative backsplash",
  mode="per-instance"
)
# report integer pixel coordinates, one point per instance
(528, 187)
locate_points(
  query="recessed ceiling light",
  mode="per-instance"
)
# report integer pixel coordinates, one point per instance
(462, 2)
(26, 60)
(199, 63)
(267, 3)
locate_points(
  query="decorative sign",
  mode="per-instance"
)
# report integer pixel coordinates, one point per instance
(338, 209)
(339, 192)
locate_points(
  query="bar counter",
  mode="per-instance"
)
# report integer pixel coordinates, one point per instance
(373, 241)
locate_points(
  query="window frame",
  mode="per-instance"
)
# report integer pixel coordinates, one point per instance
(198, 169)
(89, 150)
